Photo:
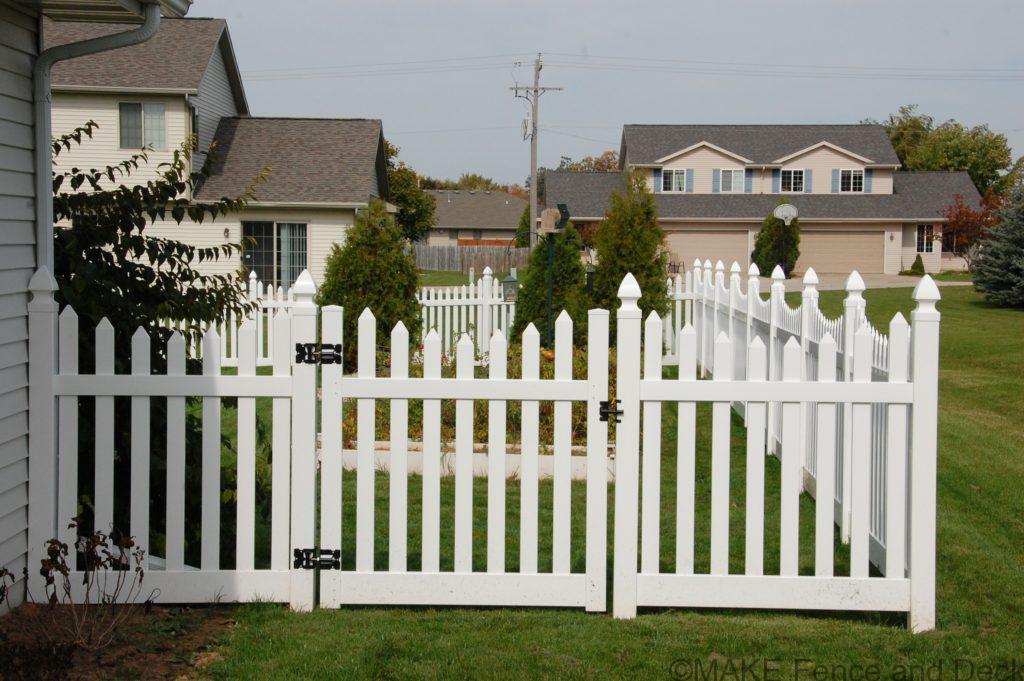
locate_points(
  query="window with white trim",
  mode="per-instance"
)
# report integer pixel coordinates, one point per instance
(851, 180)
(673, 180)
(276, 252)
(142, 125)
(732, 181)
(925, 238)
(792, 180)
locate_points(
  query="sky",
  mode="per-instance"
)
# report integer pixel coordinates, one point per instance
(438, 72)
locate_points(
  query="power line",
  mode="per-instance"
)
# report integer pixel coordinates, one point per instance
(579, 137)
(366, 65)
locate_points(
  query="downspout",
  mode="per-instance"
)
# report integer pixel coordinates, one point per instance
(43, 134)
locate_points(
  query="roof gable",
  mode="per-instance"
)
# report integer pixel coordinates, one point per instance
(703, 144)
(826, 145)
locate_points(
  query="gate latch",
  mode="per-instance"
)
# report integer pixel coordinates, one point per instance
(317, 353)
(608, 409)
(307, 559)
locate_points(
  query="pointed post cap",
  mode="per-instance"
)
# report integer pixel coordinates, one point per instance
(855, 283)
(42, 280)
(252, 275)
(707, 264)
(926, 294)
(629, 293)
(487, 272)
(696, 263)
(778, 274)
(735, 269)
(753, 270)
(810, 277)
(719, 267)
(304, 289)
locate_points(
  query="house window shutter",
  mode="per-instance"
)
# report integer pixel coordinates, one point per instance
(748, 180)
(835, 180)
(776, 181)
(808, 180)
(867, 180)
(716, 180)
(657, 180)
(689, 179)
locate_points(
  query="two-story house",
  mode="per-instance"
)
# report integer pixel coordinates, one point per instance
(714, 184)
(185, 82)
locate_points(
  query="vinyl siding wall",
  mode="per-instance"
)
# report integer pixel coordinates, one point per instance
(214, 101)
(18, 46)
(908, 251)
(72, 110)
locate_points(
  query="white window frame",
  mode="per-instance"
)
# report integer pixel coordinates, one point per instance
(792, 181)
(673, 173)
(928, 240)
(853, 172)
(736, 184)
(142, 124)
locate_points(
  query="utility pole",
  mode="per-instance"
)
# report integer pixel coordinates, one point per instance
(532, 94)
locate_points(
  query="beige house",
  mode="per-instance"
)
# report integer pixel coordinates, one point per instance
(713, 185)
(475, 218)
(184, 82)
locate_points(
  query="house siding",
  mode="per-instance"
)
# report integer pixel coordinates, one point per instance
(71, 110)
(18, 47)
(214, 101)
(908, 251)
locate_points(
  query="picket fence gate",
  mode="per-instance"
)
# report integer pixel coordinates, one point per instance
(306, 341)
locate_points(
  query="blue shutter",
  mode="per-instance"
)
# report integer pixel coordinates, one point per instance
(808, 180)
(776, 181)
(748, 180)
(657, 180)
(835, 180)
(716, 181)
(689, 180)
(867, 180)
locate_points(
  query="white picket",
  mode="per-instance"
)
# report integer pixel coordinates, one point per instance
(562, 473)
(720, 451)
(210, 495)
(103, 495)
(896, 452)
(331, 332)
(496, 461)
(860, 466)
(789, 561)
(825, 466)
(686, 453)
(597, 461)
(398, 498)
(464, 461)
(67, 433)
(431, 458)
(281, 424)
(245, 522)
(650, 498)
(140, 439)
(757, 371)
(528, 480)
(366, 367)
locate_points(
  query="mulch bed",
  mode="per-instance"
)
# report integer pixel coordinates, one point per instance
(164, 643)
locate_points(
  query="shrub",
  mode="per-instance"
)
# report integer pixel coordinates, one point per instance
(917, 269)
(523, 229)
(999, 271)
(777, 244)
(631, 240)
(372, 270)
(568, 284)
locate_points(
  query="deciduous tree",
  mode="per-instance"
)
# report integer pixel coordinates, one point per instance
(967, 226)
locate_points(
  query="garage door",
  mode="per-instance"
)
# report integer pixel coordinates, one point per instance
(713, 245)
(842, 252)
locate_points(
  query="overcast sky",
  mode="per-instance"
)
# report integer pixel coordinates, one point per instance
(448, 106)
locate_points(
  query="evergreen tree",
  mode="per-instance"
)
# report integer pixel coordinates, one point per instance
(917, 269)
(999, 272)
(523, 229)
(631, 240)
(568, 286)
(777, 244)
(372, 270)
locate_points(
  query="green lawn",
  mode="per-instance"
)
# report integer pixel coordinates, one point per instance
(980, 562)
(445, 278)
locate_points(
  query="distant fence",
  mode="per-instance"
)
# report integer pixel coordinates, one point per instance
(478, 309)
(462, 258)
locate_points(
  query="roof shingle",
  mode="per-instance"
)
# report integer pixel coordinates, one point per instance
(311, 160)
(463, 209)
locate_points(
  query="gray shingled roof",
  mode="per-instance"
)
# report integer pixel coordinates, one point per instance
(915, 196)
(175, 58)
(311, 160)
(759, 143)
(462, 209)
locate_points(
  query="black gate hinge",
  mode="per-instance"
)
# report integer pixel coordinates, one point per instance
(608, 409)
(317, 353)
(307, 559)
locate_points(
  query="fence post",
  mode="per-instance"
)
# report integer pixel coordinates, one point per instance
(42, 460)
(472, 276)
(924, 412)
(304, 315)
(484, 332)
(753, 298)
(776, 298)
(853, 310)
(808, 305)
(627, 450)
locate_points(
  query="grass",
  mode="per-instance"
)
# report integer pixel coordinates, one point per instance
(954, 276)
(980, 586)
(447, 278)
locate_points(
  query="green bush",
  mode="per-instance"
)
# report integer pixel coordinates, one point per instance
(568, 284)
(999, 269)
(777, 244)
(523, 229)
(372, 270)
(917, 269)
(631, 240)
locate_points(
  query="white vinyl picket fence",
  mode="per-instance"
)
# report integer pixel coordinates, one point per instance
(477, 310)
(879, 470)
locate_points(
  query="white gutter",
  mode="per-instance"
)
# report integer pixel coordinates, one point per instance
(43, 134)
